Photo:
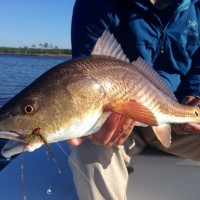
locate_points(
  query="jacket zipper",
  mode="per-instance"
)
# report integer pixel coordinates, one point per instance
(160, 45)
(161, 48)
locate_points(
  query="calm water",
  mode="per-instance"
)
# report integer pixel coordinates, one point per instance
(18, 71)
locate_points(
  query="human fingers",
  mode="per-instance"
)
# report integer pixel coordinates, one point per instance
(188, 128)
(76, 141)
(179, 129)
(190, 100)
(192, 127)
(122, 131)
(123, 137)
(106, 132)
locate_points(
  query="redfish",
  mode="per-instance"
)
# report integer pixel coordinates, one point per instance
(74, 98)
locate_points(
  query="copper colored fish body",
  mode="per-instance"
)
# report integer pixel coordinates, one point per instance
(74, 98)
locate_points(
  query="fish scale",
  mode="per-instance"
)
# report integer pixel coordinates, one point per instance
(125, 90)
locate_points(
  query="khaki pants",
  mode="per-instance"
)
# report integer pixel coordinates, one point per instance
(105, 167)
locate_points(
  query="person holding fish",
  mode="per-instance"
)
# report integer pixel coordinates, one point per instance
(134, 80)
(166, 35)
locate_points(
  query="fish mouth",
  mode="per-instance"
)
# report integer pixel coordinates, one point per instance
(12, 135)
(16, 144)
(12, 148)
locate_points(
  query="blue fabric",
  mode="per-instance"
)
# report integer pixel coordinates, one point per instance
(167, 40)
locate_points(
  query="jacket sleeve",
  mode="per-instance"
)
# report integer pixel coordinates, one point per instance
(191, 83)
(90, 18)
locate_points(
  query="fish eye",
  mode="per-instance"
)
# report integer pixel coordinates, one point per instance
(29, 109)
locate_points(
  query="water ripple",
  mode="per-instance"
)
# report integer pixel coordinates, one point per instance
(18, 71)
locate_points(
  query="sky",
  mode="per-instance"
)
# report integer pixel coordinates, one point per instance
(32, 22)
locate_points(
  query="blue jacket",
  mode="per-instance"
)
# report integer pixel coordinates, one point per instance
(169, 41)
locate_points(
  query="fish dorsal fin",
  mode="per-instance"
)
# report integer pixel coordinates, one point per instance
(152, 76)
(107, 45)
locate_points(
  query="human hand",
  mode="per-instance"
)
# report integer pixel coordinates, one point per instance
(114, 131)
(188, 128)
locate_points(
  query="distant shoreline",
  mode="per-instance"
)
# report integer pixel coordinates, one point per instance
(48, 55)
(44, 51)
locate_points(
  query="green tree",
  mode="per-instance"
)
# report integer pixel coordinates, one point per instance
(25, 49)
(57, 50)
(51, 46)
(41, 47)
(46, 45)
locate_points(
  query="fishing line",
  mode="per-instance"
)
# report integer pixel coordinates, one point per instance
(73, 162)
(22, 170)
(52, 156)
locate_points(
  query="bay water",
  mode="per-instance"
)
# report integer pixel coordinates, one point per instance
(18, 71)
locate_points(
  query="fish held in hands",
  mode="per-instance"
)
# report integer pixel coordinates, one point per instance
(74, 98)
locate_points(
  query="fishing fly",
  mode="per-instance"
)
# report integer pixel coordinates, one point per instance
(36, 135)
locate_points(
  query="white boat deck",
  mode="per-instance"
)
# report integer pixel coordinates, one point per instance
(155, 177)
(164, 177)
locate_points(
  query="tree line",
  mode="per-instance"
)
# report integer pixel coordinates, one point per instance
(43, 49)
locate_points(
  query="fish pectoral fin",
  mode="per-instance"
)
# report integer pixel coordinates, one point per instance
(163, 133)
(136, 111)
